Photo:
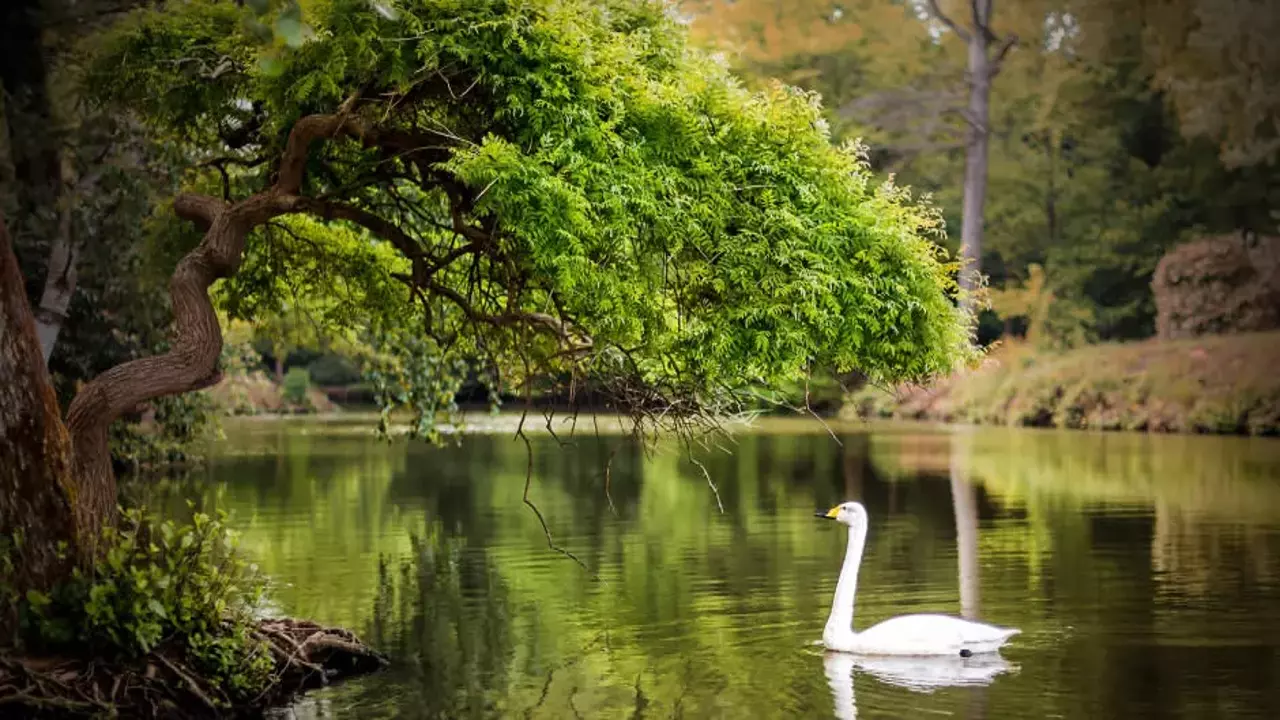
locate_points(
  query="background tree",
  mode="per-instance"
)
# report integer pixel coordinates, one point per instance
(1093, 173)
(927, 99)
(1217, 62)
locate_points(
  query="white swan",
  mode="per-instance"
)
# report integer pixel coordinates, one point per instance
(904, 635)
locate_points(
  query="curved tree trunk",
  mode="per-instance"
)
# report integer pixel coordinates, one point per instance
(56, 481)
(190, 364)
(37, 493)
(196, 338)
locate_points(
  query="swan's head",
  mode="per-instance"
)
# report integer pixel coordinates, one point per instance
(850, 513)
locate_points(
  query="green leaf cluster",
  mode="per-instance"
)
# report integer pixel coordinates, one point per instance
(180, 422)
(160, 586)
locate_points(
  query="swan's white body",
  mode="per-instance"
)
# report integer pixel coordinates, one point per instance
(918, 635)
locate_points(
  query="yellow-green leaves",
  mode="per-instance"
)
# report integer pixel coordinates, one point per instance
(581, 194)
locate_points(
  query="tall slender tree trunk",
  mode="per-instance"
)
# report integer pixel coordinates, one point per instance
(983, 65)
(976, 153)
(37, 490)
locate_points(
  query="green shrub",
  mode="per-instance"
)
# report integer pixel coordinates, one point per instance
(296, 383)
(186, 588)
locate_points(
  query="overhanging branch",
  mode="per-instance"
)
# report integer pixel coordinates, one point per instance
(568, 333)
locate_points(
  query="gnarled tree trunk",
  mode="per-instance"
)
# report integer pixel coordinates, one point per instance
(196, 338)
(37, 491)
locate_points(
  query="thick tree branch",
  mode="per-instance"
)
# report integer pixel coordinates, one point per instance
(383, 228)
(561, 329)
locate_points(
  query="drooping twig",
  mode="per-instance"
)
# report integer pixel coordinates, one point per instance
(528, 481)
(549, 415)
(608, 477)
(710, 483)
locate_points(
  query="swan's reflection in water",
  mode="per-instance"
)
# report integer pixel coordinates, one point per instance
(919, 674)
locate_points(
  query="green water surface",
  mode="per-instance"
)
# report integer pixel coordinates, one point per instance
(1143, 571)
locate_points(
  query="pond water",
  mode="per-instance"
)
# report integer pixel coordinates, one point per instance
(1143, 571)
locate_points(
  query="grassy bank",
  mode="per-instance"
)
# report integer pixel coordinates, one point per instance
(1217, 384)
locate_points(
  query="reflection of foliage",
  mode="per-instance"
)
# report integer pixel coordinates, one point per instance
(445, 614)
(704, 613)
(1196, 476)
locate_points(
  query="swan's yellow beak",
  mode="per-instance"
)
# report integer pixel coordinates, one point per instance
(830, 514)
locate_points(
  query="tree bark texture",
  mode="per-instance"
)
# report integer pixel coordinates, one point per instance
(37, 490)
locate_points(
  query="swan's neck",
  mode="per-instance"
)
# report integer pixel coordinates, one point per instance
(841, 621)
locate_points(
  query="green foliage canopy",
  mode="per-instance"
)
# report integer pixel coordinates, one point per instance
(556, 187)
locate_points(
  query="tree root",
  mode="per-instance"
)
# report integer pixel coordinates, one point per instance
(162, 685)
